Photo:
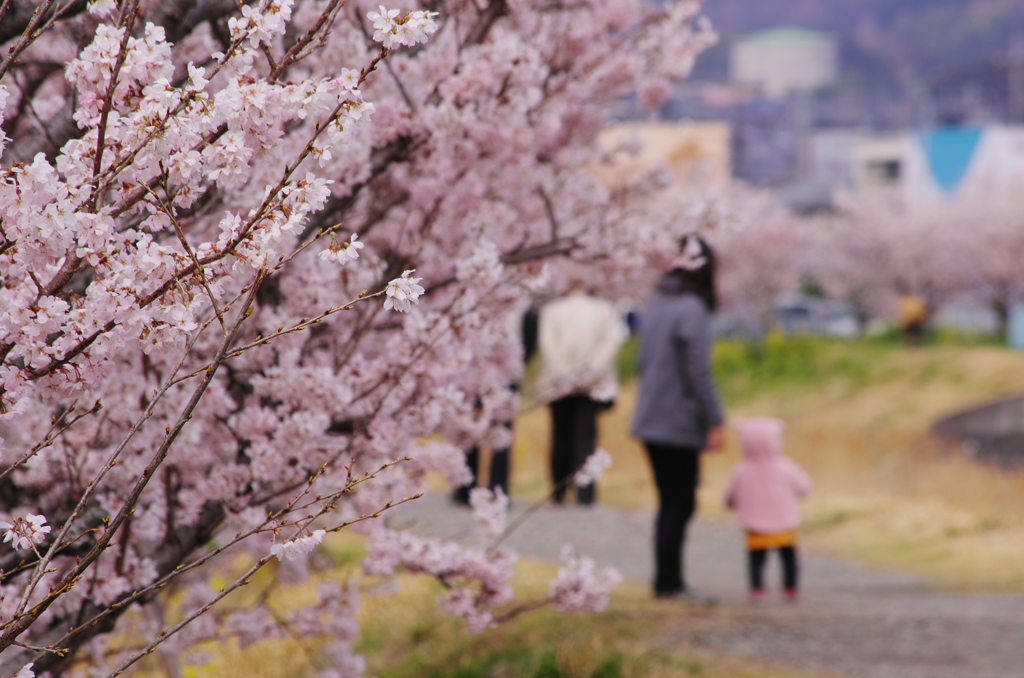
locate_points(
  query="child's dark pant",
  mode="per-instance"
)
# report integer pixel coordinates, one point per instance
(790, 570)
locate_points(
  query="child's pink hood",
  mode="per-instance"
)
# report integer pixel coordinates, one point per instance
(760, 438)
(766, 486)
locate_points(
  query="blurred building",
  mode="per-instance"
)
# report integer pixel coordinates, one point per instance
(824, 165)
(877, 160)
(782, 61)
(929, 166)
(763, 137)
(827, 154)
(951, 162)
(695, 153)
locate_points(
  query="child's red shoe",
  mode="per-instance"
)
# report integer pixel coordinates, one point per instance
(792, 594)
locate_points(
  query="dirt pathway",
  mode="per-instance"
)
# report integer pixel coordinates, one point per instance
(860, 622)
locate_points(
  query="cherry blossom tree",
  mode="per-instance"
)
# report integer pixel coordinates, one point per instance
(764, 255)
(878, 248)
(846, 262)
(257, 262)
(992, 238)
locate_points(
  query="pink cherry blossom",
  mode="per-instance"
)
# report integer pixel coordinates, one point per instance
(593, 468)
(490, 508)
(580, 586)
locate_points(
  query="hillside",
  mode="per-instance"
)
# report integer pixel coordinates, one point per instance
(902, 41)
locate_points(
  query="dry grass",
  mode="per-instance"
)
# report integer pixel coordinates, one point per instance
(886, 492)
(404, 634)
(631, 638)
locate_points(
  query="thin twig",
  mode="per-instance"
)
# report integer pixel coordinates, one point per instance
(51, 436)
(169, 213)
(28, 36)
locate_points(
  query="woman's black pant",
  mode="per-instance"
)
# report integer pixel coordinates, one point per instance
(676, 474)
(573, 439)
(757, 559)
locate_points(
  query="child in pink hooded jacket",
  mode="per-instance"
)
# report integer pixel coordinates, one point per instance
(765, 490)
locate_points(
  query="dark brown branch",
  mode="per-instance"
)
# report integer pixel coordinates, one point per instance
(549, 208)
(14, 23)
(495, 10)
(554, 248)
(129, 16)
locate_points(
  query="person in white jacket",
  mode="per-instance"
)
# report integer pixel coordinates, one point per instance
(579, 337)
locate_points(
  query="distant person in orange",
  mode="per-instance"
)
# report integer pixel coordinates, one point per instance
(913, 314)
(765, 490)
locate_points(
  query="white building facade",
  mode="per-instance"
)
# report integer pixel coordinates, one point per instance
(782, 61)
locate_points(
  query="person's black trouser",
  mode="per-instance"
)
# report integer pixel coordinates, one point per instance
(497, 476)
(676, 474)
(790, 571)
(573, 439)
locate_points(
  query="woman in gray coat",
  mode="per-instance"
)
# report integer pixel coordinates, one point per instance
(678, 412)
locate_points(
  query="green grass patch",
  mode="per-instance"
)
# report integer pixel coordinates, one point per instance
(514, 661)
(747, 368)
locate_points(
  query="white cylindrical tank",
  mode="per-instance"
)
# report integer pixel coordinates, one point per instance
(780, 61)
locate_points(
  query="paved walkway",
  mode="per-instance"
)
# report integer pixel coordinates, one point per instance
(861, 622)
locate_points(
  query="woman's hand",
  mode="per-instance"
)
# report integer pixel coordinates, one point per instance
(716, 438)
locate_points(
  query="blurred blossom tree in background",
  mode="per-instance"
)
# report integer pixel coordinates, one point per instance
(764, 254)
(873, 249)
(906, 251)
(257, 268)
(990, 236)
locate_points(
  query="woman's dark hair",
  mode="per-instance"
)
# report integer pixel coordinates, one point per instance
(699, 279)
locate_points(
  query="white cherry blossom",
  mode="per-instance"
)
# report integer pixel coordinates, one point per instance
(25, 532)
(402, 293)
(298, 547)
(342, 252)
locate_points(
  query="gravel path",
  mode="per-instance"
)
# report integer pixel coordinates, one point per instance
(861, 622)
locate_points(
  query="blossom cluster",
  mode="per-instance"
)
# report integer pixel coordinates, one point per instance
(392, 30)
(476, 580)
(343, 253)
(4, 94)
(579, 586)
(490, 508)
(593, 468)
(25, 533)
(401, 293)
(300, 546)
(261, 25)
